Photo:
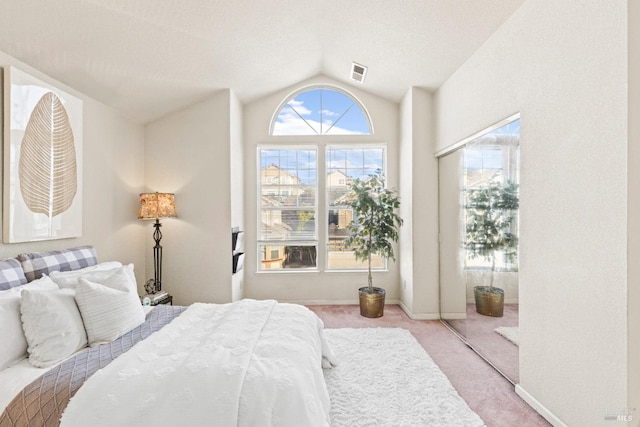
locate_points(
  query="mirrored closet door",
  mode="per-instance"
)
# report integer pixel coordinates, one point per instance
(479, 211)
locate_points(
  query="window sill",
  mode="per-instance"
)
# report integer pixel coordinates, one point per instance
(487, 269)
(319, 271)
(333, 271)
(289, 271)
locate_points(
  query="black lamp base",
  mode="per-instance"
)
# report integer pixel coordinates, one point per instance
(157, 258)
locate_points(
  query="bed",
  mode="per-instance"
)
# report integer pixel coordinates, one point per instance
(95, 356)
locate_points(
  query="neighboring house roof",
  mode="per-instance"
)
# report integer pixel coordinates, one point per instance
(345, 199)
(274, 170)
(269, 201)
(338, 171)
(276, 231)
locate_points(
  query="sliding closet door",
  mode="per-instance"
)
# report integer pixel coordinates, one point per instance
(453, 299)
(479, 244)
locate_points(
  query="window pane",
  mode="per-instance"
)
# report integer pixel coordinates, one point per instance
(277, 257)
(339, 219)
(288, 177)
(491, 165)
(344, 164)
(321, 111)
(339, 256)
(284, 166)
(287, 235)
(290, 196)
(288, 224)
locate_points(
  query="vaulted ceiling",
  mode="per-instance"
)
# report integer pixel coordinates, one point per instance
(150, 57)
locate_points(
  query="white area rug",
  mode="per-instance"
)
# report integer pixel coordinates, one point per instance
(512, 333)
(385, 378)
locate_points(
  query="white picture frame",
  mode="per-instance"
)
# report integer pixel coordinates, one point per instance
(42, 197)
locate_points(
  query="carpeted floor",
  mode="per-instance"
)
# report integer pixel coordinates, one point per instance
(486, 392)
(480, 333)
(384, 378)
(510, 333)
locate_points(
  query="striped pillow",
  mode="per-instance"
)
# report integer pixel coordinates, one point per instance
(111, 308)
(35, 264)
(11, 274)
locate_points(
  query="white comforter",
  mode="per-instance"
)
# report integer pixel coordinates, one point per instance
(250, 363)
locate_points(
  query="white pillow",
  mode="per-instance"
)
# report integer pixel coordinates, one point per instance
(112, 308)
(14, 343)
(42, 284)
(52, 325)
(95, 273)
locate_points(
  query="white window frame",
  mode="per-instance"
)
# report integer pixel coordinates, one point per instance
(266, 242)
(321, 144)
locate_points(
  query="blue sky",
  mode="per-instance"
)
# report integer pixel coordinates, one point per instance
(320, 112)
(323, 111)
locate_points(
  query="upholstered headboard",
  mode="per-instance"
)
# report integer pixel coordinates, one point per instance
(11, 274)
(27, 267)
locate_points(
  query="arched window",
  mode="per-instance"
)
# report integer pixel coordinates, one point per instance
(295, 231)
(321, 111)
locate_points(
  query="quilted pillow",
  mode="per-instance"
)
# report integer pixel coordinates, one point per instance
(52, 325)
(11, 274)
(95, 273)
(35, 264)
(111, 308)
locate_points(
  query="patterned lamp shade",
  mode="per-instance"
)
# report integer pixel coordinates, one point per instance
(157, 205)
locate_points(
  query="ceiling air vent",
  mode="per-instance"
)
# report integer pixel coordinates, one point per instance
(358, 72)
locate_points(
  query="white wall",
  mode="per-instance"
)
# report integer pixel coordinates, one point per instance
(405, 242)
(312, 287)
(112, 159)
(633, 302)
(419, 294)
(563, 66)
(237, 184)
(188, 153)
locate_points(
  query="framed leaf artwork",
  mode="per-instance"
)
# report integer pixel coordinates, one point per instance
(42, 160)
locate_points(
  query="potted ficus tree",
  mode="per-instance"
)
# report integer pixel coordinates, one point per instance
(491, 214)
(373, 231)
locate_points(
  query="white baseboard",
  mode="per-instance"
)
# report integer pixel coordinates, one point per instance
(539, 407)
(421, 316)
(453, 316)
